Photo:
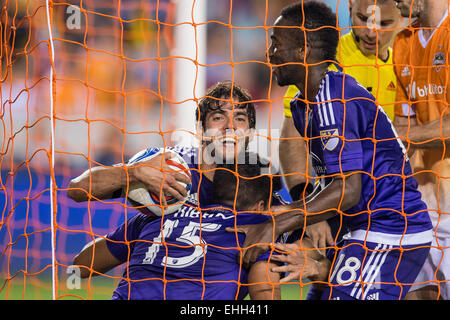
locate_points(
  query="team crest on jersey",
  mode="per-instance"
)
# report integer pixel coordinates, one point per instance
(439, 60)
(329, 139)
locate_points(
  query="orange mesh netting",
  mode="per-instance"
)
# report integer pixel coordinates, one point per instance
(91, 83)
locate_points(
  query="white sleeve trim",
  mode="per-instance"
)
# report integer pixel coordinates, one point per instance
(391, 239)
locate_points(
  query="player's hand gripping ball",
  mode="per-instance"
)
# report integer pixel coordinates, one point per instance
(149, 203)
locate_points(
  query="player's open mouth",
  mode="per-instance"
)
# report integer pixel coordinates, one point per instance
(228, 141)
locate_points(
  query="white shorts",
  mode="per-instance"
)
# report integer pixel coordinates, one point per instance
(436, 270)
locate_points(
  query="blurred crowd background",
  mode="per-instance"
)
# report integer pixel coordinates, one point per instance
(114, 72)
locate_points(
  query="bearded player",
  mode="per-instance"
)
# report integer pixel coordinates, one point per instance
(226, 119)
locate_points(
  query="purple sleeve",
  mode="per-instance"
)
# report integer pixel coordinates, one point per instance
(118, 240)
(341, 140)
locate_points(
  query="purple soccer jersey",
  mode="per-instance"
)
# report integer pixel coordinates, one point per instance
(186, 255)
(347, 131)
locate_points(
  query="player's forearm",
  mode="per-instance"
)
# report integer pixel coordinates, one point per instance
(339, 195)
(431, 135)
(99, 183)
(296, 218)
(294, 172)
(95, 258)
(293, 156)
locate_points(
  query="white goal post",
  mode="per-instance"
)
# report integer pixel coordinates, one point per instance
(190, 76)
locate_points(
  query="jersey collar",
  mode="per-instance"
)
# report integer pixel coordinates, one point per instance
(424, 42)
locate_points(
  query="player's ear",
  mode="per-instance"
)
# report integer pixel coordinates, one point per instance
(303, 52)
(259, 206)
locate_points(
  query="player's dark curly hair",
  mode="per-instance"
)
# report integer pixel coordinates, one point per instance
(242, 186)
(217, 95)
(319, 23)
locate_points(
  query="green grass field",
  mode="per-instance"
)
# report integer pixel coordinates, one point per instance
(98, 288)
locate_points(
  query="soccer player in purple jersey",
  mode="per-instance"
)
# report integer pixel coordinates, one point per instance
(363, 168)
(226, 118)
(188, 254)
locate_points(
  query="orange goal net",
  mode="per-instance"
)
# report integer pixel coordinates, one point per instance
(89, 83)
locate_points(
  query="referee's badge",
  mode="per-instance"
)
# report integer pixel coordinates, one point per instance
(330, 139)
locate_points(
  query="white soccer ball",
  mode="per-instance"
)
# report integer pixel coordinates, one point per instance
(148, 202)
